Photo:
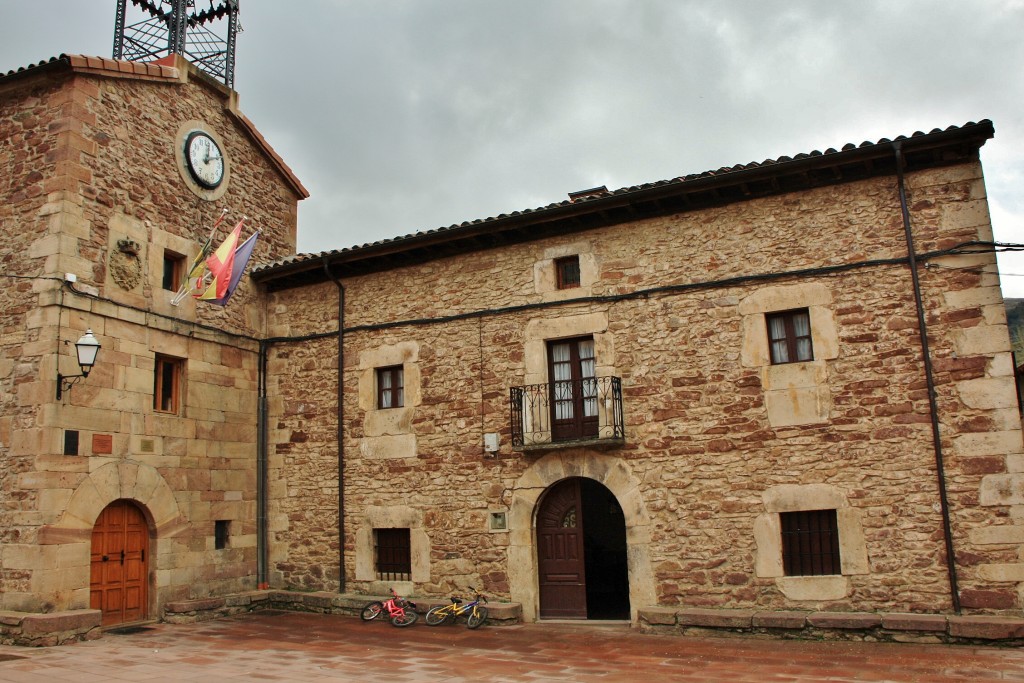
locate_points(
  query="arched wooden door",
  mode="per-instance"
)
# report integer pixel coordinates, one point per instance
(119, 568)
(562, 573)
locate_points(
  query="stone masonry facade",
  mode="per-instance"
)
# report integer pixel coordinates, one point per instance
(718, 442)
(717, 446)
(91, 188)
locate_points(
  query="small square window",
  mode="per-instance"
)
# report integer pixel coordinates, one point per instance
(789, 336)
(70, 442)
(393, 554)
(810, 543)
(174, 271)
(390, 387)
(167, 376)
(221, 533)
(567, 272)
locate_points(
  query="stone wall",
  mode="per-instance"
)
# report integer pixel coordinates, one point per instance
(718, 442)
(91, 161)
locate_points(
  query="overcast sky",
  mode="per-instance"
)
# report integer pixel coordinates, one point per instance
(409, 115)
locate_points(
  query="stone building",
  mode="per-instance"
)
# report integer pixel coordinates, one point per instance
(783, 387)
(135, 485)
(707, 392)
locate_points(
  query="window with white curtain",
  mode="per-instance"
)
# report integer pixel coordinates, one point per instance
(789, 336)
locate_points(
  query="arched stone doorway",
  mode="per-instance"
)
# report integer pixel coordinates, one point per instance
(581, 552)
(614, 475)
(119, 564)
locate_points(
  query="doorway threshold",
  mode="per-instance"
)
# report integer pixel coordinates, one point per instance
(587, 622)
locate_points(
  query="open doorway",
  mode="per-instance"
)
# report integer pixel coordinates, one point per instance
(581, 548)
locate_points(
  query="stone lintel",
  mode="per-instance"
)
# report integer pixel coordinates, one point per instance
(718, 618)
(780, 619)
(844, 620)
(914, 622)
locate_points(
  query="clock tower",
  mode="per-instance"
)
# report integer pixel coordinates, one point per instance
(136, 481)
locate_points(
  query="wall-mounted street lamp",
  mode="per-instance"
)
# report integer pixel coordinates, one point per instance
(87, 348)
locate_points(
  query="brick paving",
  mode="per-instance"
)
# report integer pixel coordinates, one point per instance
(309, 647)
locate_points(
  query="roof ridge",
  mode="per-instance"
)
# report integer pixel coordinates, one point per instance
(692, 177)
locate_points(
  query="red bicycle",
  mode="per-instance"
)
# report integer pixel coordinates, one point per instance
(402, 611)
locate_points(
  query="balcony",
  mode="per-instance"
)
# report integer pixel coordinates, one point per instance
(564, 414)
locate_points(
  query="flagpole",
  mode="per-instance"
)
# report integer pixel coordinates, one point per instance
(204, 251)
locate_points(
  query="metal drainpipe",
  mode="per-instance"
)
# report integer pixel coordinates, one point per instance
(940, 469)
(262, 478)
(341, 427)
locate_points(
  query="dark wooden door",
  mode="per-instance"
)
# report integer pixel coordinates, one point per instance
(571, 368)
(563, 581)
(118, 568)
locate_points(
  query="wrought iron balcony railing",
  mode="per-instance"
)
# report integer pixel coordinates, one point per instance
(568, 413)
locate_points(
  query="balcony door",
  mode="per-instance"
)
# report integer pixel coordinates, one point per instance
(571, 367)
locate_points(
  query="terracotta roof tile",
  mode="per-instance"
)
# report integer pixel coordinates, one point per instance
(102, 65)
(723, 171)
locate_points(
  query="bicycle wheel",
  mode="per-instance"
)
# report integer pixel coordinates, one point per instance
(406, 617)
(372, 611)
(438, 615)
(477, 617)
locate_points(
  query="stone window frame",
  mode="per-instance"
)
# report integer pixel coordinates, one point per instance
(794, 393)
(813, 296)
(162, 243)
(853, 555)
(546, 276)
(389, 422)
(177, 392)
(173, 270)
(391, 517)
(539, 332)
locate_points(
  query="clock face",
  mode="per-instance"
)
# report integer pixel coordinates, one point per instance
(204, 158)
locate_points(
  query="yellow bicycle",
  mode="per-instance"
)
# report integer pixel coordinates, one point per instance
(474, 611)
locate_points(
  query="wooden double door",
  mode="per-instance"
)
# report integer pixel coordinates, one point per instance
(581, 552)
(119, 564)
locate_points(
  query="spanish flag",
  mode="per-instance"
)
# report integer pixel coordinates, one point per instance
(241, 258)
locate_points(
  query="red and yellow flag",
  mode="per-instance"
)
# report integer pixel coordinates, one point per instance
(220, 264)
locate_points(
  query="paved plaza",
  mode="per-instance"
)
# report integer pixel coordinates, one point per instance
(275, 646)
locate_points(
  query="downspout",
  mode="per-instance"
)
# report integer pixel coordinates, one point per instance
(930, 379)
(341, 427)
(262, 479)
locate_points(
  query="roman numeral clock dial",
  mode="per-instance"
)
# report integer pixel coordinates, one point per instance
(205, 159)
